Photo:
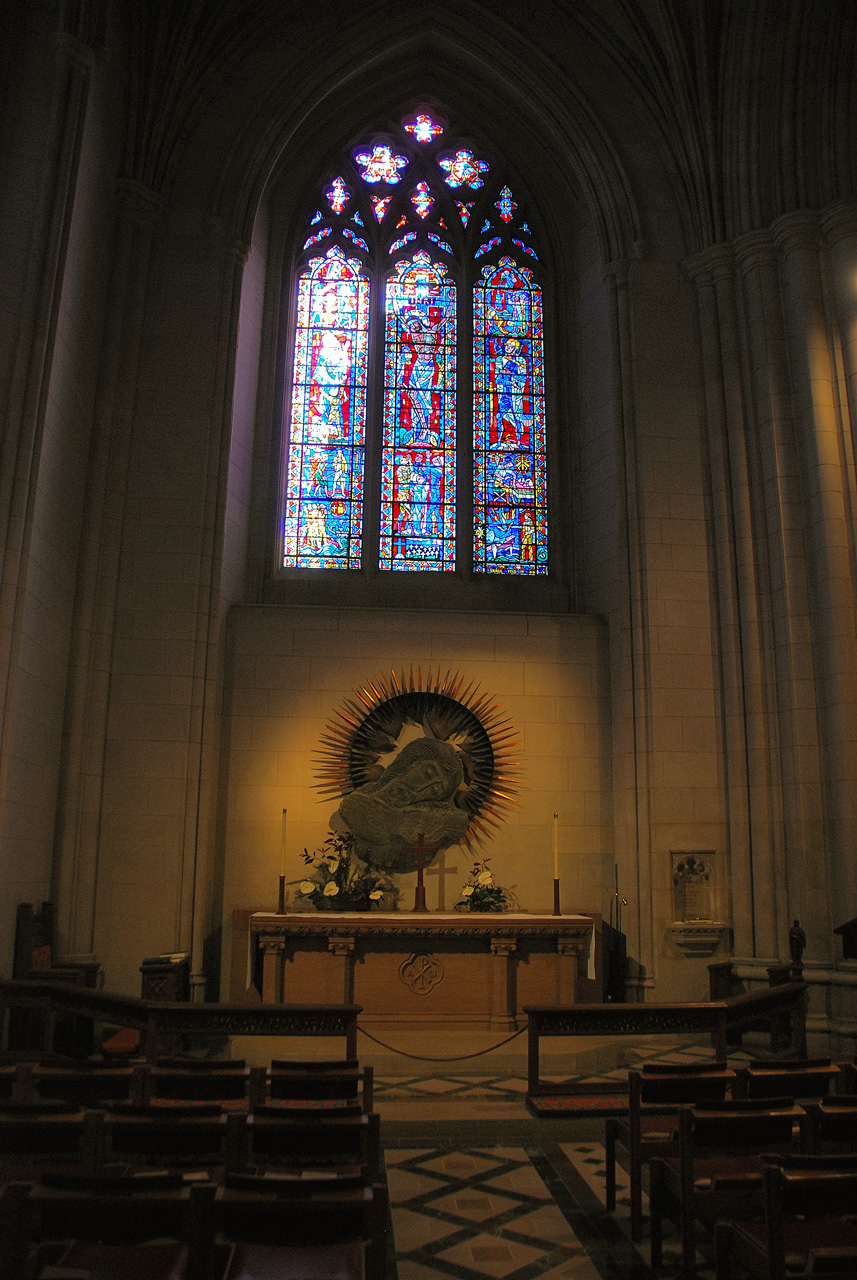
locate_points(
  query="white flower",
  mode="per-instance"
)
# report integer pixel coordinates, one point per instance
(376, 894)
(330, 889)
(308, 886)
(485, 878)
(467, 890)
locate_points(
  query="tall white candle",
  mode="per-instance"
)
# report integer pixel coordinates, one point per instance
(556, 846)
(283, 846)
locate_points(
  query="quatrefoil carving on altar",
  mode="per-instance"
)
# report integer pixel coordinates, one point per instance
(421, 972)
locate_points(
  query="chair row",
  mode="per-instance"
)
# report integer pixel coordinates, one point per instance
(658, 1089)
(91, 1084)
(203, 1135)
(306, 1228)
(719, 1171)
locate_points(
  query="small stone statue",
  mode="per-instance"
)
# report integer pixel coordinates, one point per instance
(797, 942)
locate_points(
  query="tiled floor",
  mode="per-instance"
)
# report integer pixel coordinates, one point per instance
(531, 1207)
(532, 1212)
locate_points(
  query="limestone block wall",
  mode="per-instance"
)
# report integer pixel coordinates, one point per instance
(288, 672)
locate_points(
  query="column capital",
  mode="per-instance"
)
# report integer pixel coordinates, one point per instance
(340, 946)
(503, 946)
(755, 249)
(796, 231)
(839, 222)
(717, 262)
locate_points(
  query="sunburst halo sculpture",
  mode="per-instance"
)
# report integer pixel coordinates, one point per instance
(383, 715)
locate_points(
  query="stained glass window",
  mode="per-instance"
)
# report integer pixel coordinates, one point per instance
(324, 467)
(510, 484)
(424, 129)
(463, 169)
(418, 454)
(416, 212)
(380, 165)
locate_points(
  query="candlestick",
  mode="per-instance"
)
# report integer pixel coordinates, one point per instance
(283, 846)
(420, 892)
(556, 846)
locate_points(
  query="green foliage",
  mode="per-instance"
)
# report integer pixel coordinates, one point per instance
(482, 893)
(337, 880)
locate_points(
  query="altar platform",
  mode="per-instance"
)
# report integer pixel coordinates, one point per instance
(429, 967)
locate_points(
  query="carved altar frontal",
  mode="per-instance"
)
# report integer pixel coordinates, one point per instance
(438, 967)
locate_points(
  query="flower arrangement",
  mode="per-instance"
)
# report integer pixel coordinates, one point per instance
(337, 880)
(483, 893)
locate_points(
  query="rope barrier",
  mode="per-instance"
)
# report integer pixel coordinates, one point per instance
(422, 1057)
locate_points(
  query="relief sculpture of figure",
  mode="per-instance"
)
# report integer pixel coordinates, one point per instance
(414, 794)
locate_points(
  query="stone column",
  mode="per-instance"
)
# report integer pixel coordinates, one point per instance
(78, 827)
(568, 951)
(344, 949)
(273, 969)
(800, 884)
(830, 499)
(632, 713)
(503, 989)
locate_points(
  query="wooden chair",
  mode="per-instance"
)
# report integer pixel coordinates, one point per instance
(308, 1227)
(32, 1135)
(794, 1078)
(345, 1139)
(103, 1226)
(202, 1136)
(831, 1124)
(307, 1084)
(805, 1229)
(655, 1093)
(89, 1084)
(717, 1172)
(188, 1081)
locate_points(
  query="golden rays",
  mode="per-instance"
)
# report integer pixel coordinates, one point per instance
(368, 725)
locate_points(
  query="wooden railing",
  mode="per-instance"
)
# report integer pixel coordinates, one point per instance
(157, 1021)
(782, 1008)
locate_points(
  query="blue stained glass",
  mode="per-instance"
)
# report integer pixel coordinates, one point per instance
(464, 210)
(486, 248)
(324, 465)
(338, 195)
(506, 205)
(380, 165)
(355, 239)
(463, 170)
(486, 226)
(319, 235)
(397, 244)
(418, 452)
(435, 239)
(357, 219)
(317, 217)
(524, 227)
(509, 458)
(424, 129)
(526, 248)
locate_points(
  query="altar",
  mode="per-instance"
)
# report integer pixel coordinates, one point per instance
(418, 966)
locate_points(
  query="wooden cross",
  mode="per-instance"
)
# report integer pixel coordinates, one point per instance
(441, 870)
(420, 850)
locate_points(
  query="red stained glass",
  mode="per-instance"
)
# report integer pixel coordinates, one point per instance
(324, 463)
(509, 453)
(418, 455)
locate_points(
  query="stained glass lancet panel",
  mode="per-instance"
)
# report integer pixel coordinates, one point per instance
(510, 474)
(418, 455)
(324, 471)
